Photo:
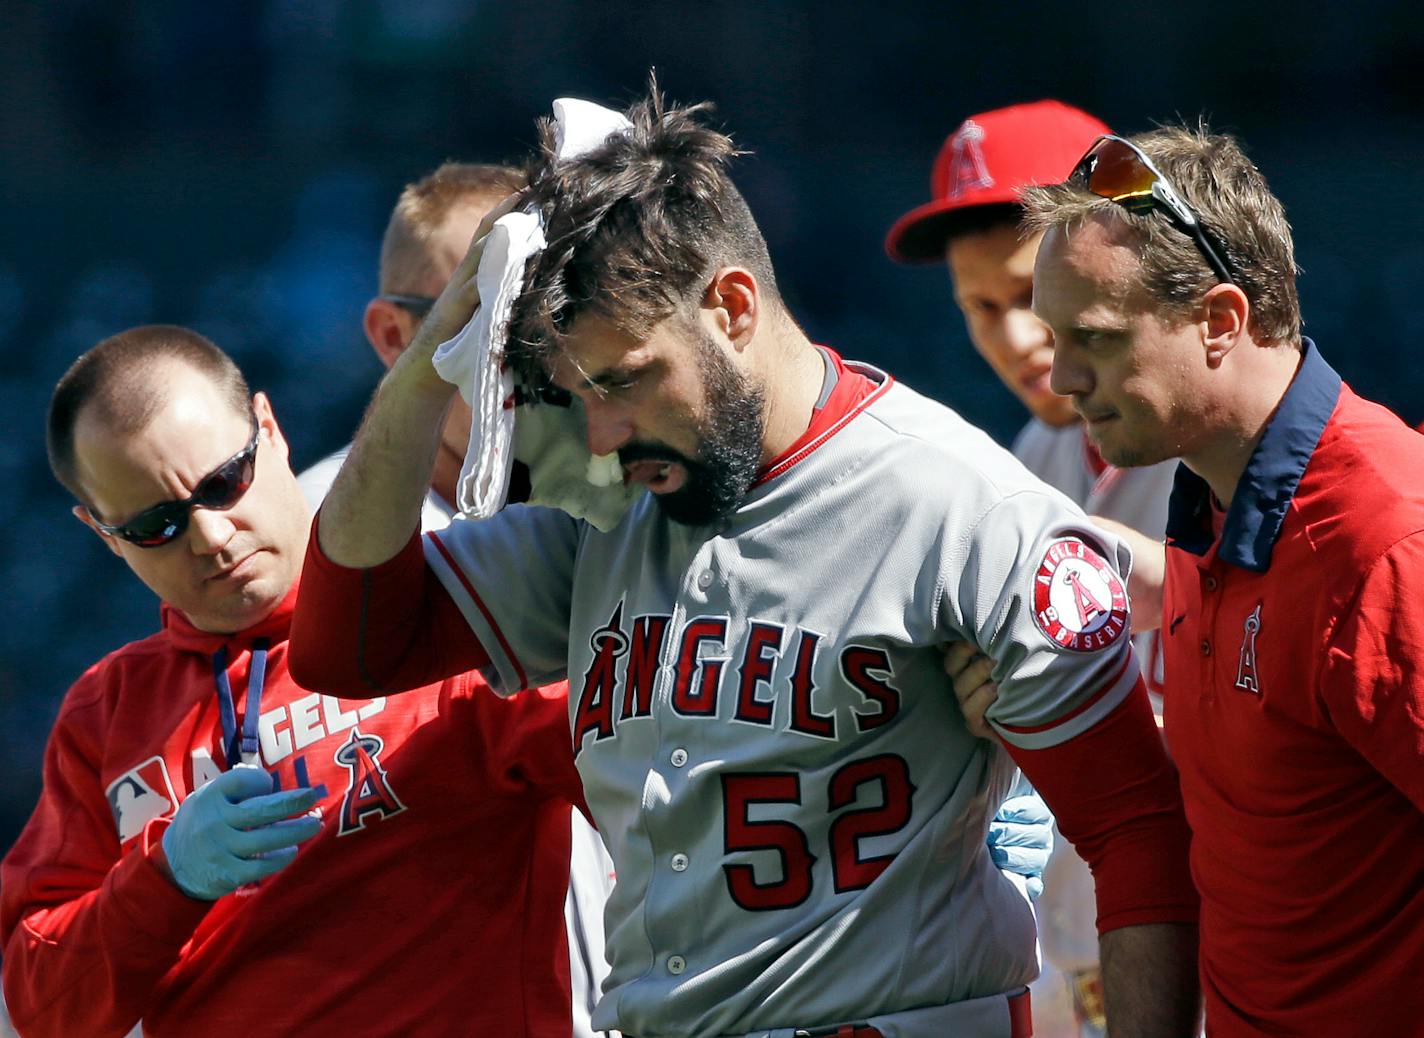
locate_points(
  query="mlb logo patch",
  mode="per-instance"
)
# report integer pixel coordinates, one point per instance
(140, 795)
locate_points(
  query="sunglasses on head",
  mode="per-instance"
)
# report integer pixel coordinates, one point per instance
(218, 490)
(1118, 170)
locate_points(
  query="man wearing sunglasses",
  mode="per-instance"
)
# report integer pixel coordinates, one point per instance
(973, 225)
(219, 851)
(1294, 600)
(428, 233)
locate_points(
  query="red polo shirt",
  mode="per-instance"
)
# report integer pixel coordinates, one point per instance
(1294, 650)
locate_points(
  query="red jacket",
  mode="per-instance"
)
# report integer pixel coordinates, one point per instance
(430, 904)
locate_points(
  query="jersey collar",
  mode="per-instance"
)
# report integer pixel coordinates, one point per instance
(1272, 475)
(846, 390)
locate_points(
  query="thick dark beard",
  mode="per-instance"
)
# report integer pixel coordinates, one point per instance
(730, 444)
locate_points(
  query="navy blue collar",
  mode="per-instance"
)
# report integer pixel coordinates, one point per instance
(1258, 508)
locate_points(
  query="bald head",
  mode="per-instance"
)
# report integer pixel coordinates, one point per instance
(119, 385)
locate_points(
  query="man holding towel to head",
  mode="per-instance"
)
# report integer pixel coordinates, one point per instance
(793, 801)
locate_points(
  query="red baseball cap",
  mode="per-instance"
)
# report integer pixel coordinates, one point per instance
(988, 160)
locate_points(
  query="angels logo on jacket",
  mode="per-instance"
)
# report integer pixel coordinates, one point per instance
(368, 787)
(1078, 599)
(140, 795)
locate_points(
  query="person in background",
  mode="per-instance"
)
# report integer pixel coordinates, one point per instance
(973, 224)
(428, 233)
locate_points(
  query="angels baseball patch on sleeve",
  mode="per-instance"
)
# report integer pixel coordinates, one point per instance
(1079, 601)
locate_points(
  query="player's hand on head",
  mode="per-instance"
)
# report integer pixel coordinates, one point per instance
(970, 672)
(235, 830)
(461, 296)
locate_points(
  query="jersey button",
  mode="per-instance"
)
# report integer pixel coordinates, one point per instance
(1212, 583)
(679, 862)
(1205, 647)
(704, 579)
(678, 757)
(676, 964)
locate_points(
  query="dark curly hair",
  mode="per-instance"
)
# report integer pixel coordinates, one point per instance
(634, 228)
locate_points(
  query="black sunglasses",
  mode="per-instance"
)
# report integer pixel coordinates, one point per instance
(416, 306)
(1118, 170)
(218, 490)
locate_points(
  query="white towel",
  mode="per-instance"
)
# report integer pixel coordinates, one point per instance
(562, 471)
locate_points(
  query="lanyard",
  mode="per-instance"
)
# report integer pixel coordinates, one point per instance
(244, 751)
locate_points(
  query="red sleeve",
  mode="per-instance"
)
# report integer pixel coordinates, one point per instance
(1117, 801)
(88, 932)
(382, 630)
(1373, 679)
(542, 754)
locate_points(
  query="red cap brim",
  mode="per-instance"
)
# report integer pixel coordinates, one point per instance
(920, 236)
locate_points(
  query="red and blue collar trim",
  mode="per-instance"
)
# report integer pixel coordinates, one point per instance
(1271, 479)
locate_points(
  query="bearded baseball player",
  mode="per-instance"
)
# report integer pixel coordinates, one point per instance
(794, 804)
(973, 225)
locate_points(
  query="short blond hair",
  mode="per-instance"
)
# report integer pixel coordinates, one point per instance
(423, 208)
(1237, 210)
(115, 379)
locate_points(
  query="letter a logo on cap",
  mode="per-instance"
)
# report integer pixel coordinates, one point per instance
(967, 168)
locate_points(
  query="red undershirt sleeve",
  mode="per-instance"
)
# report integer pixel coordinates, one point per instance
(387, 629)
(1118, 803)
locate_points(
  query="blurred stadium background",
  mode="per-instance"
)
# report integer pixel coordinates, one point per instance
(229, 165)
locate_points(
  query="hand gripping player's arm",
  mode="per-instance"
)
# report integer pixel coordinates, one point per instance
(89, 929)
(1072, 712)
(971, 671)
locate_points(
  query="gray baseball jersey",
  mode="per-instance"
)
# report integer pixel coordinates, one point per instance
(590, 869)
(767, 740)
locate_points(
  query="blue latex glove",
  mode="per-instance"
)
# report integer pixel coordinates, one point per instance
(235, 830)
(1021, 839)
